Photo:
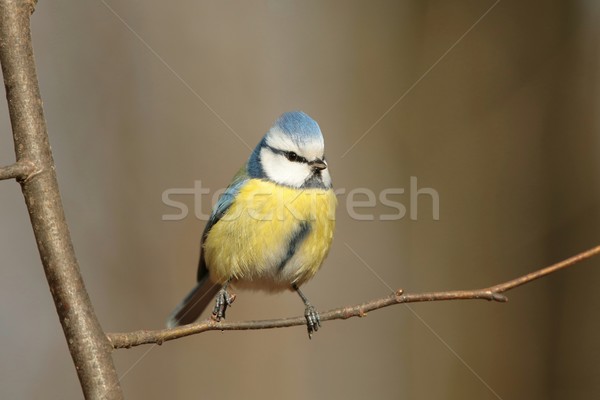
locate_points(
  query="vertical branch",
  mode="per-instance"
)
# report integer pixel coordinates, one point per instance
(89, 346)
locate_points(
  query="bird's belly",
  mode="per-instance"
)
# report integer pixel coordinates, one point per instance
(250, 245)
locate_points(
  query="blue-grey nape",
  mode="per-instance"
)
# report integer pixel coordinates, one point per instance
(254, 167)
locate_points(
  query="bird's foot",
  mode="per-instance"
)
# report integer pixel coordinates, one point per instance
(313, 320)
(222, 301)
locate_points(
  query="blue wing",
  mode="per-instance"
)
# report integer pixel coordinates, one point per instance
(225, 201)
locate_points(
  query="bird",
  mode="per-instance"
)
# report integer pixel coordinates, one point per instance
(273, 226)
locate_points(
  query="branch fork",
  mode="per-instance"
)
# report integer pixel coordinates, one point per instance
(21, 170)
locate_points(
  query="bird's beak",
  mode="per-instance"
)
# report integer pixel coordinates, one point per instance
(318, 164)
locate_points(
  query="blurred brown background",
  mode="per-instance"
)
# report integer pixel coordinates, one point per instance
(504, 127)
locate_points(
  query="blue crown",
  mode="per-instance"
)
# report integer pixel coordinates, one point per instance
(299, 126)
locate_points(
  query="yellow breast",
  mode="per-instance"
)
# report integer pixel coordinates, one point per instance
(253, 238)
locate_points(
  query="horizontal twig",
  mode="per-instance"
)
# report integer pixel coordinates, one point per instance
(20, 171)
(493, 293)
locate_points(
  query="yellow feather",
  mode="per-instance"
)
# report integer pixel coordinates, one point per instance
(251, 240)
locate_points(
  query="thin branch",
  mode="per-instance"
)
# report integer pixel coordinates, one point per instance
(492, 293)
(21, 170)
(89, 346)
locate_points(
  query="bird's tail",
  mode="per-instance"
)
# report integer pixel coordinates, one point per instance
(194, 303)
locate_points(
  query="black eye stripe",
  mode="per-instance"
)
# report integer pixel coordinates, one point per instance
(290, 155)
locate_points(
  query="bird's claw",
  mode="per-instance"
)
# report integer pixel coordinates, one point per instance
(222, 301)
(313, 320)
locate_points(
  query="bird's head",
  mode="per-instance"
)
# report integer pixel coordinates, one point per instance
(292, 153)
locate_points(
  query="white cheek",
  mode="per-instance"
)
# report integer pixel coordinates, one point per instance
(326, 177)
(282, 171)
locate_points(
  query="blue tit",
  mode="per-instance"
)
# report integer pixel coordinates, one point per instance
(272, 227)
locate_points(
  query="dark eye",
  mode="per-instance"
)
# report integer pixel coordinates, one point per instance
(290, 155)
